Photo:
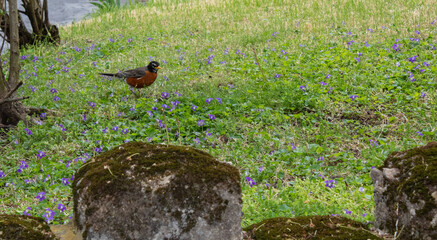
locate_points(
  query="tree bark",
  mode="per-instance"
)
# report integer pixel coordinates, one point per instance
(39, 20)
(11, 110)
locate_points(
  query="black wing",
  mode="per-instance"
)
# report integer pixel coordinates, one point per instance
(132, 73)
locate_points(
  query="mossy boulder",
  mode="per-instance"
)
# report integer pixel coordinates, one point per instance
(308, 227)
(21, 227)
(405, 193)
(144, 191)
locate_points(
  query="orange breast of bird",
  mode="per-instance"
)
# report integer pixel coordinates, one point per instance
(146, 80)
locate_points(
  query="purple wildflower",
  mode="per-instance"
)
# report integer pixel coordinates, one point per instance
(49, 215)
(353, 97)
(28, 131)
(56, 98)
(250, 181)
(211, 116)
(208, 100)
(396, 47)
(194, 108)
(165, 95)
(412, 59)
(25, 211)
(175, 103)
(2, 174)
(61, 207)
(330, 183)
(420, 133)
(161, 125)
(40, 154)
(23, 165)
(41, 196)
(65, 181)
(201, 122)
(411, 77)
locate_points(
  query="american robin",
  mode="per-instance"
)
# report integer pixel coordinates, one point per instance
(139, 77)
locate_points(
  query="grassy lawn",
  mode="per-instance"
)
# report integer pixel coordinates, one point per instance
(303, 97)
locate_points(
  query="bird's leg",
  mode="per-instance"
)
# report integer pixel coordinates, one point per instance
(133, 91)
(151, 94)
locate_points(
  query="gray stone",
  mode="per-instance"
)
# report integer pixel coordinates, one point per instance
(405, 193)
(143, 191)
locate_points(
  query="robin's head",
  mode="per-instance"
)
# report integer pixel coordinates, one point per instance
(153, 66)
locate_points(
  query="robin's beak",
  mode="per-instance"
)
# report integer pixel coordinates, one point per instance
(158, 67)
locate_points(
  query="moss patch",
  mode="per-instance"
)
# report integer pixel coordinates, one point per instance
(308, 227)
(24, 227)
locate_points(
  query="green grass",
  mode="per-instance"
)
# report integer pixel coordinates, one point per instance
(294, 113)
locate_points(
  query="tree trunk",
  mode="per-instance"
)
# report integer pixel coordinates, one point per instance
(11, 110)
(39, 20)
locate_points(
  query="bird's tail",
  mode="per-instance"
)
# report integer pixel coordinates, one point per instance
(108, 74)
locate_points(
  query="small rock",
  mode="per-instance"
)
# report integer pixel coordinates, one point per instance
(308, 227)
(13, 227)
